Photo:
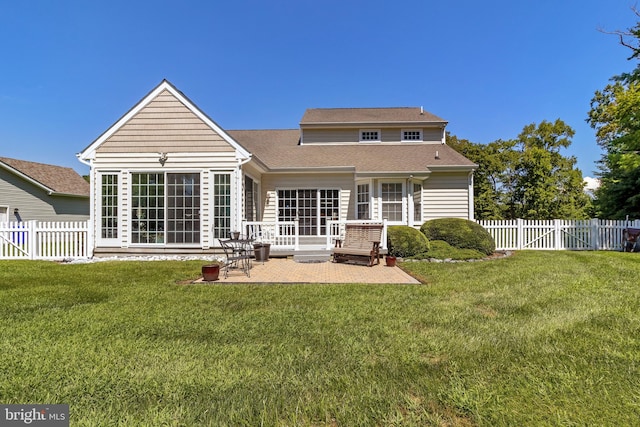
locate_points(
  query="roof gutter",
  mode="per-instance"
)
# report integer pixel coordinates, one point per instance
(320, 169)
(454, 168)
(83, 161)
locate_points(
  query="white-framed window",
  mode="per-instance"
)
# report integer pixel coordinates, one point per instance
(251, 199)
(363, 205)
(393, 202)
(417, 203)
(109, 206)
(221, 205)
(411, 134)
(370, 135)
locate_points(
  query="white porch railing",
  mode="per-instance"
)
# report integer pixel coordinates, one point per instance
(44, 240)
(336, 230)
(557, 234)
(281, 235)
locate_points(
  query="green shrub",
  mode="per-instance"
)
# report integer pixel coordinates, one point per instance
(442, 250)
(460, 233)
(404, 241)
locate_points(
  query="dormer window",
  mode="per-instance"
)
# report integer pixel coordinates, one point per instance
(411, 134)
(369, 135)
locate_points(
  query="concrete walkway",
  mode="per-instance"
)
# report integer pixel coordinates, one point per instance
(280, 270)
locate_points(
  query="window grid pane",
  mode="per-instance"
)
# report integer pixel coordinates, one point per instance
(329, 208)
(362, 203)
(311, 207)
(369, 135)
(417, 203)
(109, 207)
(147, 201)
(392, 201)
(412, 135)
(183, 208)
(221, 206)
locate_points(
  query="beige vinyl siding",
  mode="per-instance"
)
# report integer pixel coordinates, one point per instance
(352, 135)
(431, 135)
(164, 125)
(446, 195)
(34, 203)
(330, 136)
(271, 183)
(175, 161)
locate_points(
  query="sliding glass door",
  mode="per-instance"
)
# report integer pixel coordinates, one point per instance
(165, 208)
(311, 207)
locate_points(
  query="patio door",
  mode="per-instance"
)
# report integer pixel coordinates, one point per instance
(165, 208)
(311, 207)
(183, 208)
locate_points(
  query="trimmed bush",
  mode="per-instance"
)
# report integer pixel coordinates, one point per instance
(460, 233)
(442, 250)
(404, 241)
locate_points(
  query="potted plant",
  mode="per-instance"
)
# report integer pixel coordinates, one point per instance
(211, 271)
(390, 260)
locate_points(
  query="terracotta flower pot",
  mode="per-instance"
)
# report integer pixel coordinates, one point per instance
(391, 261)
(211, 272)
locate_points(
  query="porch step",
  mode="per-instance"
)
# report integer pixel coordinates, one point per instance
(312, 256)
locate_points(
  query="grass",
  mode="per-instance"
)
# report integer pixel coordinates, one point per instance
(539, 338)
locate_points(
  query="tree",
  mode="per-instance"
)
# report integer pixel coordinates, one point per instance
(526, 177)
(615, 116)
(546, 184)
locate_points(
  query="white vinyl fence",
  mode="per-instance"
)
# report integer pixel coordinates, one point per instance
(44, 240)
(557, 234)
(70, 240)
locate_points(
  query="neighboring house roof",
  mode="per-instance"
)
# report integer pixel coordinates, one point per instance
(279, 150)
(57, 180)
(369, 116)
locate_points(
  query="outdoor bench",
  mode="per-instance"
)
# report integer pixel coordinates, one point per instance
(361, 243)
(631, 240)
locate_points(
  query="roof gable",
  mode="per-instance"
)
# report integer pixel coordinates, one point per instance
(51, 178)
(186, 110)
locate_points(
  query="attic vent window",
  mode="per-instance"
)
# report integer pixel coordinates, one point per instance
(411, 135)
(370, 135)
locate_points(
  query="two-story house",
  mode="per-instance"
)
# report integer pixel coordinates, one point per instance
(167, 178)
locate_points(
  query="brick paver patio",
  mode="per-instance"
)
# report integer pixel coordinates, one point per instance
(280, 270)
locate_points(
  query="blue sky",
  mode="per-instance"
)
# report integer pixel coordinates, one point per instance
(72, 68)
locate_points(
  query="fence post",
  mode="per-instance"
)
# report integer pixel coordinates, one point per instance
(32, 239)
(557, 230)
(520, 236)
(595, 234)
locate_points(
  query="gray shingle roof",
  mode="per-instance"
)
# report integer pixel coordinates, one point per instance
(280, 149)
(58, 179)
(400, 115)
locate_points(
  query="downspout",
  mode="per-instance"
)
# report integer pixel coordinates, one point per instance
(470, 192)
(239, 192)
(409, 191)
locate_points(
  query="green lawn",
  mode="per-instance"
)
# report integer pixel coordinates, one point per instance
(539, 338)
